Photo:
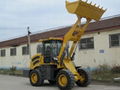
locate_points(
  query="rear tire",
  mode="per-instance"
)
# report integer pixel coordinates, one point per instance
(35, 78)
(86, 76)
(65, 80)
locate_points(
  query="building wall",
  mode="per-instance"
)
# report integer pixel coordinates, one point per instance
(87, 58)
(20, 61)
(94, 57)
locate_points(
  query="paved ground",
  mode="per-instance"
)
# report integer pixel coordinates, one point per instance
(20, 83)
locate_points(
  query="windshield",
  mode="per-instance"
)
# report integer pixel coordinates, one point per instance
(56, 46)
(52, 47)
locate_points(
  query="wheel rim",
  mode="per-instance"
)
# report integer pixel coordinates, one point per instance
(34, 78)
(63, 80)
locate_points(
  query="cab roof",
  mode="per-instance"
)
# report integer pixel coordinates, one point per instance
(51, 38)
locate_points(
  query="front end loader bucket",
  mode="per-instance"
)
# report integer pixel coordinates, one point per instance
(84, 9)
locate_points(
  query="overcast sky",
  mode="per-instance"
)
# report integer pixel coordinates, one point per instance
(16, 15)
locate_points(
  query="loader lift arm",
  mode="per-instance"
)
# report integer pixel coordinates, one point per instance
(74, 34)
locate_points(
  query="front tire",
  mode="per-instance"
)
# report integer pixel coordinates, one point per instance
(65, 80)
(35, 78)
(86, 78)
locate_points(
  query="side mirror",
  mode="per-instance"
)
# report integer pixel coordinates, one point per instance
(55, 60)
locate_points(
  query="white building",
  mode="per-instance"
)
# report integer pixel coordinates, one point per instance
(100, 45)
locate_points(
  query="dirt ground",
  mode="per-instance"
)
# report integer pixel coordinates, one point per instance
(21, 83)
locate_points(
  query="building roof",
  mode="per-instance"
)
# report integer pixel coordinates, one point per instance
(103, 25)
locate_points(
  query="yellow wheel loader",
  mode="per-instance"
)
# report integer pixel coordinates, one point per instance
(55, 62)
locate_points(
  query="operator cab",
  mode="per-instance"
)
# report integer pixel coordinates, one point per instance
(51, 49)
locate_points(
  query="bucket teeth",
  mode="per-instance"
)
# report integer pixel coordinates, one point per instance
(105, 9)
(86, 1)
(98, 6)
(91, 3)
(95, 4)
(101, 8)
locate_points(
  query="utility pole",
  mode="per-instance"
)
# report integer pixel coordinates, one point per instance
(29, 41)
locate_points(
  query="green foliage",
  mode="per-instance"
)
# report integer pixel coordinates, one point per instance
(115, 69)
(105, 73)
(11, 71)
(103, 68)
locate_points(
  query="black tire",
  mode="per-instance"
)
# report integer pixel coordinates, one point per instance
(87, 78)
(69, 80)
(51, 82)
(39, 81)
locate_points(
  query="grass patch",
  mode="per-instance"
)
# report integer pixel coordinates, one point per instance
(106, 73)
(11, 71)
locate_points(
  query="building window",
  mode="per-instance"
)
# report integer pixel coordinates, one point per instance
(114, 40)
(86, 43)
(39, 48)
(3, 53)
(25, 50)
(13, 52)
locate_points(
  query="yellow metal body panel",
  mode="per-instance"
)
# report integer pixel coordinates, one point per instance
(84, 9)
(36, 61)
(70, 65)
